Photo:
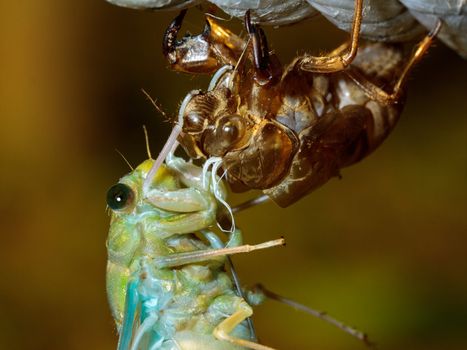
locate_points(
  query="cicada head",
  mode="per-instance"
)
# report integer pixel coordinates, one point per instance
(131, 216)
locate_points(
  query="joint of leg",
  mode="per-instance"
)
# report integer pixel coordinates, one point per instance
(221, 334)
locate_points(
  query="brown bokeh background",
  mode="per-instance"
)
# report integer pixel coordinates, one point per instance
(385, 248)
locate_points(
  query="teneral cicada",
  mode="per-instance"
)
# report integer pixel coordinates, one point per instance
(166, 279)
(287, 130)
(167, 283)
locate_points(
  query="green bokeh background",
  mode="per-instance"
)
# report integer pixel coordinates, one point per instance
(384, 249)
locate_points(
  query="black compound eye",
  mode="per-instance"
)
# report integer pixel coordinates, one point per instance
(120, 196)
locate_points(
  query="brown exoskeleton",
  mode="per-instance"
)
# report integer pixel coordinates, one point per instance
(287, 130)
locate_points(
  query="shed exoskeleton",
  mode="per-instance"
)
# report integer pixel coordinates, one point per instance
(287, 130)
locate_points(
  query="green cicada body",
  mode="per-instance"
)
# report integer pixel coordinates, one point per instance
(166, 286)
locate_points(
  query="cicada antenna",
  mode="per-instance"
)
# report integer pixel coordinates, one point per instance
(124, 158)
(146, 137)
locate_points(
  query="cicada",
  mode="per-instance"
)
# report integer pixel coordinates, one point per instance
(166, 279)
(287, 130)
(167, 283)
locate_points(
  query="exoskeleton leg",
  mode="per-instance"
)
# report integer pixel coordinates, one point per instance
(267, 67)
(204, 53)
(378, 94)
(251, 203)
(339, 59)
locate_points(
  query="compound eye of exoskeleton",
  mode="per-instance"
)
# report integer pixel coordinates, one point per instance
(225, 136)
(230, 129)
(120, 197)
(193, 122)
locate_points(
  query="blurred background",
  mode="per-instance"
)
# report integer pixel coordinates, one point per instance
(384, 249)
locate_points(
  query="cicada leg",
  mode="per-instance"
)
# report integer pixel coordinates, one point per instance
(179, 259)
(376, 93)
(234, 240)
(183, 200)
(339, 59)
(259, 293)
(223, 330)
(197, 208)
(204, 53)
